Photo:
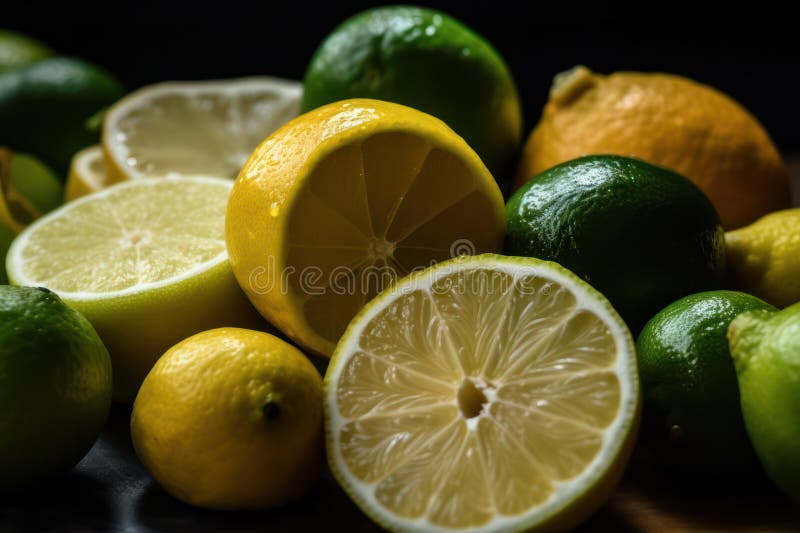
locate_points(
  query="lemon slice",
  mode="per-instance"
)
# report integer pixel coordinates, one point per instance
(87, 173)
(339, 202)
(197, 127)
(486, 393)
(144, 261)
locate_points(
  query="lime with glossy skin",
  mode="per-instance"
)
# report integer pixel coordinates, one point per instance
(642, 235)
(427, 60)
(46, 108)
(689, 383)
(766, 351)
(55, 386)
(17, 50)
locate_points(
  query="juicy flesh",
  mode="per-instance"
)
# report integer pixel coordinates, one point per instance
(373, 212)
(476, 398)
(210, 133)
(135, 235)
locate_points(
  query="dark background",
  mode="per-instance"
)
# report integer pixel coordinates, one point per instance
(749, 52)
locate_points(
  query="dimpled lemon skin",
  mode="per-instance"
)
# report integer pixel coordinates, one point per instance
(666, 120)
(231, 419)
(764, 258)
(766, 351)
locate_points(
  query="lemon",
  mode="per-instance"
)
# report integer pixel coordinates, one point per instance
(667, 120)
(87, 173)
(231, 419)
(195, 127)
(764, 258)
(337, 203)
(486, 393)
(144, 261)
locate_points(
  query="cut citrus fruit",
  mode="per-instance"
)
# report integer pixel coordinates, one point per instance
(485, 393)
(144, 261)
(336, 204)
(87, 173)
(197, 127)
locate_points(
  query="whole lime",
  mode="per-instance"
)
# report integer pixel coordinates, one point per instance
(55, 386)
(17, 49)
(766, 352)
(688, 380)
(642, 235)
(427, 60)
(46, 107)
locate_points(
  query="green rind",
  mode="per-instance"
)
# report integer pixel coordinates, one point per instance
(424, 59)
(45, 108)
(766, 351)
(572, 512)
(642, 235)
(18, 50)
(55, 386)
(689, 381)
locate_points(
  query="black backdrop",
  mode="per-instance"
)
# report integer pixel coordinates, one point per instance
(751, 52)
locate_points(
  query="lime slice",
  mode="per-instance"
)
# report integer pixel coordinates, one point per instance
(144, 260)
(484, 393)
(87, 173)
(197, 127)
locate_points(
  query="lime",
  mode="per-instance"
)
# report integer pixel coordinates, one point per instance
(145, 261)
(484, 393)
(688, 379)
(766, 351)
(55, 386)
(427, 60)
(28, 189)
(17, 50)
(46, 107)
(642, 235)
(231, 419)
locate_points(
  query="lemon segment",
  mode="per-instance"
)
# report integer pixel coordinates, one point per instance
(144, 261)
(340, 202)
(197, 127)
(484, 393)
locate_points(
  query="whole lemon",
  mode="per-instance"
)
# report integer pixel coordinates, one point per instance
(668, 120)
(231, 419)
(764, 258)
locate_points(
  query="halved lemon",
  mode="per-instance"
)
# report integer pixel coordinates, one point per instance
(195, 127)
(486, 393)
(144, 261)
(87, 173)
(338, 203)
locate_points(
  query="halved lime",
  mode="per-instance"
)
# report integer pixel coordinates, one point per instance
(144, 261)
(485, 393)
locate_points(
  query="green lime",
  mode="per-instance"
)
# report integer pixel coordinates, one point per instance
(642, 235)
(17, 50)
(766, 352)
(689, 382)
(28, 188)
(427, 60)
(55, 386)
(46, 108)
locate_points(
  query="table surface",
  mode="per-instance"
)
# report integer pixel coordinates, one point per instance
(110, 491)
